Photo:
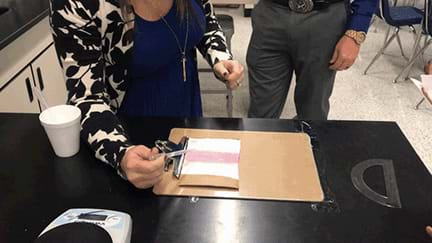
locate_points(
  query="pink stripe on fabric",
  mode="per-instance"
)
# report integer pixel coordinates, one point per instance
(209, 156)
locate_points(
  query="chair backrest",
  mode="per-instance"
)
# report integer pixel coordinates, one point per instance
(427, 18)
(384, 7)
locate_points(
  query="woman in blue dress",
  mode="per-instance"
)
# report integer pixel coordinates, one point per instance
(136, 57)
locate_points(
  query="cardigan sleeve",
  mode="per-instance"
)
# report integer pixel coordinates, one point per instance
(78, 41)
(213, 45)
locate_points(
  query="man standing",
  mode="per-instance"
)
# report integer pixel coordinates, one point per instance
(311, 38)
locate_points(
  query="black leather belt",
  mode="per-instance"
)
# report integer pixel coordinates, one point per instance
(305, 6)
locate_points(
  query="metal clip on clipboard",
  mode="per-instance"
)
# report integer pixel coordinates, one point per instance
(169, 147)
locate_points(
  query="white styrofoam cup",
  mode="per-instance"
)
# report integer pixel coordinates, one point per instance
(62, 125)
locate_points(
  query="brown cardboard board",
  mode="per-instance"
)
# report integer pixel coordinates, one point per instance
(208, 180)
(273, 166)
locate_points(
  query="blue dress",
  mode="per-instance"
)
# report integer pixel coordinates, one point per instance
(156, 86)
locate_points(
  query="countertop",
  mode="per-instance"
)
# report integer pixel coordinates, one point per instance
(36, 187)
(21, 16)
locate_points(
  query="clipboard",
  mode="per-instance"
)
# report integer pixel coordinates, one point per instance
(273, 166)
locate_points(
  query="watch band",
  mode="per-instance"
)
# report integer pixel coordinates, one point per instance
(358, 36)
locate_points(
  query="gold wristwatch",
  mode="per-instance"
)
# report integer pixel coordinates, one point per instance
(358, 36)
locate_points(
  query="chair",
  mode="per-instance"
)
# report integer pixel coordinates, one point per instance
(397, 17)
(375, 17)
(227, 24)
(419, 103)
(427, 30)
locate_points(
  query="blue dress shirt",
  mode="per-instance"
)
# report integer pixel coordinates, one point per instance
(362, 11)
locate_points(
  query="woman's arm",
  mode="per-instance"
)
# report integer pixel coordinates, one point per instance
(78, 41)
(214, 48)
(213, 45)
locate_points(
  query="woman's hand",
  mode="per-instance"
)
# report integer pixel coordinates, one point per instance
(429, 231)
(140, 171)
(230, 71)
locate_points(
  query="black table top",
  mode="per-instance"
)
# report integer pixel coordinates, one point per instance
(20, 16)
(36, 187)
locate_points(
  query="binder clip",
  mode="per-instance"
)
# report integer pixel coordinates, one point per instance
(177, 161)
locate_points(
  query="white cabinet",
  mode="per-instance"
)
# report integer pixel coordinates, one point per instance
(32, 57)
(45, 73)
(17, 96)
(49, 77)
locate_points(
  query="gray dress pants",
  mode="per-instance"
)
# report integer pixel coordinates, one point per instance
(284, 42)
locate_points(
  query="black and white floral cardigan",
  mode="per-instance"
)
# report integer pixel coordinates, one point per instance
(94, 43)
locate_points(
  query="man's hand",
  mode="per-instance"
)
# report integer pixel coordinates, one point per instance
(140, 171)
(230, 71)
(345, 53)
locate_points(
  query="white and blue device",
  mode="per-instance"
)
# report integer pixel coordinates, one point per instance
(117, 224)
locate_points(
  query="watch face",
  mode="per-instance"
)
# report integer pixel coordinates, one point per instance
(361, 37)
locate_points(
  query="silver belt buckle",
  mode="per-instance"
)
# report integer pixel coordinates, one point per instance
(301, 6)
